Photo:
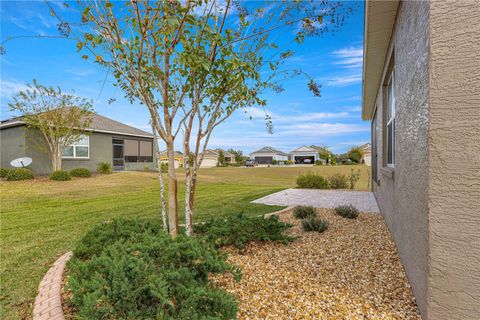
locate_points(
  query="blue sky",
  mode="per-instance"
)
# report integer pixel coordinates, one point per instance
(335, 60)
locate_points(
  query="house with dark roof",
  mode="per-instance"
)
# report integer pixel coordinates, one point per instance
(106, 140)
(266, 155)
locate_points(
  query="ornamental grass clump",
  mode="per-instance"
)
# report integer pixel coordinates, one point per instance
(81, 172)
(104, 167)
(240, 229)
(19, 174)
(345, 211)
(302, 212)
(311, 180)
(314, 224)
(132, 269)
(60, 175)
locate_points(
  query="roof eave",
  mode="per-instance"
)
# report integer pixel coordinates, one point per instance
(21, 123)
(378, 27)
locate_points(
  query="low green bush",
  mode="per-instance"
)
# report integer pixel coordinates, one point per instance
(164, 167)
(302, 212)
(19, 174)
(274, 162)
(240, 229)
(60, 175)
(314, 224)
(338, 181)
(81, 172)
(4, 172)
(104, 167)
(319, 163)
(345, 211)
(132, 269)
(311, 180)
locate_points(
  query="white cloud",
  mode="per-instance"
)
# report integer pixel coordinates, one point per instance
(257, 113)
(351, 108)
(341, 81)
(351, 57)
(321, 129)
(8, 88)
(80, 73)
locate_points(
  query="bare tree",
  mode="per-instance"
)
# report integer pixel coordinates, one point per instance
(60, 117)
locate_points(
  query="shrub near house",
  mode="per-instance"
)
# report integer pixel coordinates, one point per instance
(132, 269)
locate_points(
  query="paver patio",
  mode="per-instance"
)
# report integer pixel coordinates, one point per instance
(363, 200)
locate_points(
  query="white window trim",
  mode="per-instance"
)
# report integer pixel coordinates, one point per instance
(392, 117)
(75, 150)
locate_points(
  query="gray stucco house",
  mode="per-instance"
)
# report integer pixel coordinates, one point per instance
(107, 140)
(266, 155)
(421, 91)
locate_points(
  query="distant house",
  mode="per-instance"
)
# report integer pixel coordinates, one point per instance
(178, 158)
(421, 89)
(210, 158)
(266, 155)
(367, 154)
(123, 146)
(304, 155)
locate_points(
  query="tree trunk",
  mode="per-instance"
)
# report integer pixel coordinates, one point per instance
(161, 182)
(172, 191)
(56, 159)
(188, 207)
(188, 186)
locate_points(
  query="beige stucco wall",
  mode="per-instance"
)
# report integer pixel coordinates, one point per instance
(454, 160)
(402, 192)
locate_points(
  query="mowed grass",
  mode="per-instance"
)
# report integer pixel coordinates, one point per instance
(42, 219)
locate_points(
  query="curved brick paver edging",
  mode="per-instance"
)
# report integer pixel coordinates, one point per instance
(48, 303)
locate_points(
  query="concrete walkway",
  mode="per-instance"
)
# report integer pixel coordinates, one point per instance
(362, 200)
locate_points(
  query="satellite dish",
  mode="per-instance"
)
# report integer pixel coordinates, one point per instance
(21, 162)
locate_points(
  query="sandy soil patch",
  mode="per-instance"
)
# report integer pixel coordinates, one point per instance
(351, 271)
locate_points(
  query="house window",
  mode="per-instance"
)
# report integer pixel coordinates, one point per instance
(391, 120)
(374, 147)
(78, 150)
(138, 151)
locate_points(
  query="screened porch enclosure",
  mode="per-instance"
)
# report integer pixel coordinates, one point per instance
(131, 151)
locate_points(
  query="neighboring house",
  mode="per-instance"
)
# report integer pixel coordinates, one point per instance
(304, 155)
(421, 90)
(123, 146)
(324, 154)
(210, 158)
(266, 155)
(178, 158)
(367, 153)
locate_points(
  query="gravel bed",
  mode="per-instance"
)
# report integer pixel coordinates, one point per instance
(351, 271)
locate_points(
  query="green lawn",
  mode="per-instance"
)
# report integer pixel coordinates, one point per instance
(42, 219)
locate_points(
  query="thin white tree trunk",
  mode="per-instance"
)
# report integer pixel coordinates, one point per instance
(56, 158)
(172, 191)
(161, 182)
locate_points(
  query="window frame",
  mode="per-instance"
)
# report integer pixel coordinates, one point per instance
(390, 121)
(74, 145)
